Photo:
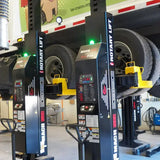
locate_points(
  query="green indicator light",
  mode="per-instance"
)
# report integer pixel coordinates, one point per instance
(91, 42)
(34, 55)
(25, 54)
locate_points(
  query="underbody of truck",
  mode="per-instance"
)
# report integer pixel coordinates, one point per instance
(136, 37)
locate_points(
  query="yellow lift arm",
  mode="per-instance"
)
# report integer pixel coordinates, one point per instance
(65, 90)
(131, 69)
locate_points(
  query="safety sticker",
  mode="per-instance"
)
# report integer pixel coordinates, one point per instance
(82, 122)
(94, 135)
(20, 126)
(21, 115)
(92, 121)
(82, 116)
(15, 111)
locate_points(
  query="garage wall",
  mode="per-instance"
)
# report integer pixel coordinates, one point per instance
(6, 110)
(68, 111)
(66, 115)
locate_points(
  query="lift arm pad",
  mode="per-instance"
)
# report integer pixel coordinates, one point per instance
(124, 82)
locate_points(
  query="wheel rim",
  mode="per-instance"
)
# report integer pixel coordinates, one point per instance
(53, 66)
(122, 55)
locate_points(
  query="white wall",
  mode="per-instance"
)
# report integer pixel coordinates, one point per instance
(6, 110)
(69, 111)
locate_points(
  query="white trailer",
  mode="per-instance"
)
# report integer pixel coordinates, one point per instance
(17, 27)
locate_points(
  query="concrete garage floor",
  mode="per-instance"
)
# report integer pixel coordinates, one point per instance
(63, 147)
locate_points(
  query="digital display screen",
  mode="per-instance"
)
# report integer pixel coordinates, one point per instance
(86, 79)
(18, 83)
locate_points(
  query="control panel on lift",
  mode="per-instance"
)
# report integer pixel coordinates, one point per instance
(29, 103)
(87, 92)
(19, 92)
(96, 103)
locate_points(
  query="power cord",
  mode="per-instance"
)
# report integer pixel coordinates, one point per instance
(148, 117)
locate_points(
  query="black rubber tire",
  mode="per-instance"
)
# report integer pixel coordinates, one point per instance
(140, 50)
(43, 17)
(66, 58)
(155, 91)
(155, 72)
(71, 97)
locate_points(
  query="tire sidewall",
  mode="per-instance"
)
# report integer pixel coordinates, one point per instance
(141, 53)
(66, 56)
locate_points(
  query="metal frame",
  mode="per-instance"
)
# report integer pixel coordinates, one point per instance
(101, 67)
(29, 96)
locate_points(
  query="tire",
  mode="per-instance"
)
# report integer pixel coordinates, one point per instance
(71, 97)
(130, 46)
(155, 91)
(60, 60)
(43, 17)
(155, 72)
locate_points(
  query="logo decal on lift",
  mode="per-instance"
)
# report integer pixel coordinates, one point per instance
(114, 121)
(43, 138)
(85, 51)
(111, 63)
(42, 116)
(104, 95)
(104, 89)
(31, 88)
(31, 91)
(41, 58)
(111, 49)
(115, 145)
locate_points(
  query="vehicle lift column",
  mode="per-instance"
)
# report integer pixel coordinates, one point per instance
(131, 120)
(95, 82)
(29, 109)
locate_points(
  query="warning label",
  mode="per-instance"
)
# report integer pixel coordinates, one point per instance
(21, 115)
(20, 126)
(94, 136)
(90, 121)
